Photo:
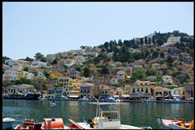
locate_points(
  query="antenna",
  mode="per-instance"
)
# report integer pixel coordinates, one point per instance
(53, 104)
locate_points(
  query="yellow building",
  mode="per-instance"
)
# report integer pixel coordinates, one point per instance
(56, 75)
(155, 66)
(19, 74)
(66, 83)
(76, 88)
(142, 83)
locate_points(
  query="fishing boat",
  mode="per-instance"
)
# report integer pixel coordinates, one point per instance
(174, 123)
(8, 123)
(104, 119)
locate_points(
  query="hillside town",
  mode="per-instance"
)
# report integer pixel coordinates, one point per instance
(157, 66)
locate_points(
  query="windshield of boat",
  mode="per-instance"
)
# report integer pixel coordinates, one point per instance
(110, 115)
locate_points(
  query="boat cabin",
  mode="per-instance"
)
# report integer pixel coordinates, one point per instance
(106, 116)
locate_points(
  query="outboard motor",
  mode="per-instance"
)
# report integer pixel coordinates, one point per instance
(90, 123)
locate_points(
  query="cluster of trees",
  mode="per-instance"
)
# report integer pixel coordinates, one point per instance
(23, 81)
(39, 56)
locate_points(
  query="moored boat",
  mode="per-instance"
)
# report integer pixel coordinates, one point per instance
(104, 119)
(26, 96)
(8, 123)
(174, 123)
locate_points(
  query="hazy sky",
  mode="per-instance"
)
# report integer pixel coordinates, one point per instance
(52, 27)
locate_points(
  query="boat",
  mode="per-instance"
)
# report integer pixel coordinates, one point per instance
(8, 123)
(177, 100)
(112, 99)
(150, 100)
(84, 99)
(104, 119)
(174, 123)
(26, 96)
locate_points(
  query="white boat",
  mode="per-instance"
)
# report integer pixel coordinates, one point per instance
(105, 119)
(174, 123)
(112, 99)
(150, 100)
(84, 99)
(177, 100)
(8, 123)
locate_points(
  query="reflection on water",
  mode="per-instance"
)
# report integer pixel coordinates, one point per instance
(137, 114)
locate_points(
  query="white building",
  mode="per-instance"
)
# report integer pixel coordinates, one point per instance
(22, 88)
(9, 77)
(11, 62)
(38, 64)
(167, 79)
(173, 39)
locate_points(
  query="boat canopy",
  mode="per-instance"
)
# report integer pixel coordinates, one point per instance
(104, 96)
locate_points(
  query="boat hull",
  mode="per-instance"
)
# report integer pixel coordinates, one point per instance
(27, 97)
(173, 126)
(8, 125)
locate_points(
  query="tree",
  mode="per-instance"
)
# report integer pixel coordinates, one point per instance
(120, 43)
(164, 71)
(105, 70)
(23, 81)
(141, 41)
(155, 53)
(162, 55)
(26, 68)
(153, 39)
(28, 59)
(159, 42)
(123, 54)
(46, 74)
(43, 59)
(38, 56)
(150, 72)
(86, 71)
(78, 68)
(54, 62)
(170, 59)
(146, 40)
(149, 40)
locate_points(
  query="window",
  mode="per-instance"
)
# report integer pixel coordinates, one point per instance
(137, 89)
(133, 90)
(146, 90)
(142, 89)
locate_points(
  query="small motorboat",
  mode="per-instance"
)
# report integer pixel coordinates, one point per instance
(84, 99)
(174, 123)
(8, 123)
(107, 117)
(112, 99)
(150, 100)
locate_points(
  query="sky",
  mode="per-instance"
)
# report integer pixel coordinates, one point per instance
(52, 27)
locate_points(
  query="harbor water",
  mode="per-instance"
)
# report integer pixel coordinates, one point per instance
(137, 114)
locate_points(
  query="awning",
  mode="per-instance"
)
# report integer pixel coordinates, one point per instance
(73, 96)
(125, 95)
(176, 95)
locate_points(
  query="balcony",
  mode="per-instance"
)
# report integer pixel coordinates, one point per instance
(140, 95)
